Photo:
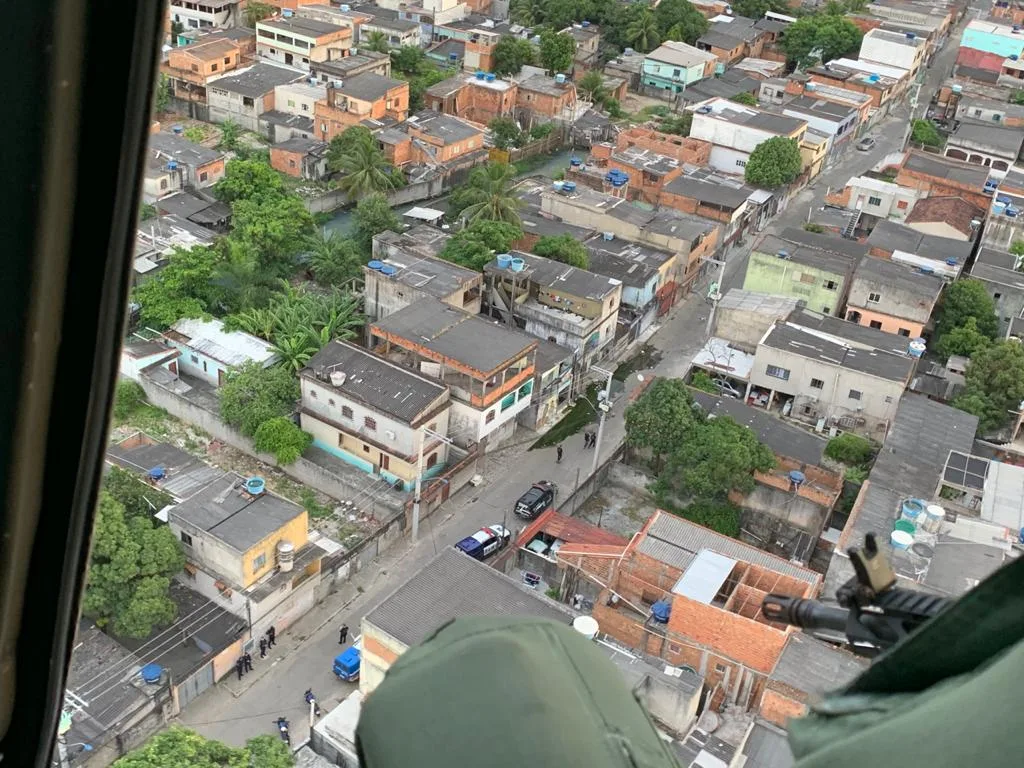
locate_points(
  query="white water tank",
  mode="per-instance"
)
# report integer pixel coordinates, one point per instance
(586, 626)
(285, 555)
(337, 378)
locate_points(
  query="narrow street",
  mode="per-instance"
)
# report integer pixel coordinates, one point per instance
(234, 710)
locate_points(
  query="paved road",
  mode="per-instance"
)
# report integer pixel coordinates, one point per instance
(236, 710)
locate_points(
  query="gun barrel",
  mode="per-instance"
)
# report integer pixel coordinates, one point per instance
(808, 614)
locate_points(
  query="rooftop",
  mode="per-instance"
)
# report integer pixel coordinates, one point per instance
(729, 84)
(798, 253)
(183, 474)
(762, 303)
(955, 211)
(833, 93)
(825, 242)
(373, 381)
(226, 511)
(1006, 142)
(814, 667)
(210, 50)
(871, 67)
(847, 332)
(368, 86)
(803, 343)
(547, 85)
(343, 67)
(382, 21)
(434, 277)
(767, 747)
(186, 204)
(896, 38)
(819, 107)
(456, 335)
(891, 236)
(632, 263)
(557, 276)
(677, 542)
(783, 438)
(299, 25)
(680, 54)
(305, 146)
(451, 586)
(209, 338)
(568, 530)
(646, 160)
(178, 148)
(284, 119)
(764, 67)
(550, 354)
(451, 130)
(419, 241)
(943, 168)
(738, 114)
(257, 80)
(707, 186)
(891, 274)
(720, 356)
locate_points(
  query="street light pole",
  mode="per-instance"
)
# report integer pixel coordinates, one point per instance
(602, 406)
(416, 491)
(716, 294)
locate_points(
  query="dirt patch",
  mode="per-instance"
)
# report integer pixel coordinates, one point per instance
(634, 102)
(622, 505)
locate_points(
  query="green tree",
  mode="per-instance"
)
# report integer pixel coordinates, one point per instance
(184, 288)
(127, 398)
(702, 381)
(162, 94)
(475, 246)
(679, 20)
(333, 259)
(372, 216)
(662, 419)
(995, 385)
(179, 747)
(924, 132)
(505, 132)
(814, 227)
(275, 229)
(834, 36)
(129, 571)
(489, 196)
(541, 131)
(146, 212)
(1017, 97)
(850, 449)
(282, 438)
(408, 59)
(591, 85)
(962, 300)
(563, 248)
(717, 457)
(376, 41)
(1017, 249)
(230, 131)
(139, 498)
(773, 163)
(345, 142)
(249, 180)
(745, 98)
(256, 12)
(720, 516)
(252, 395)
(642, 33)
(418, 84)
(510, 55)
(195, 134)
(677, 124)
(556, 51)
(366, 171)
(756, 9)
(963, 340)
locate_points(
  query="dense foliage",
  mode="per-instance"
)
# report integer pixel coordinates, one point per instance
(820, 37)
(564, 248)
(475, 246)
(282, 438)
(253, 395)
(773, 163)
(179, 747)
(995, 385)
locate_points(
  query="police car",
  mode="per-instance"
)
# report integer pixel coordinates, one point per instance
(484, 542)
(541, 496)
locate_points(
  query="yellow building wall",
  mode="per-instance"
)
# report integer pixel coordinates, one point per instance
(296, 532)
(889, 323)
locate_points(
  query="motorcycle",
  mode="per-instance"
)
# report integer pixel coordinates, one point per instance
(282, 727)
(311, 699)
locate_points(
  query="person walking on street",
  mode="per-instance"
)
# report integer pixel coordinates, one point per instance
(558, 455)
(248, 662)
(586, 439)
(263, 647)
(271, 637)
(239, 667)
(343, 634)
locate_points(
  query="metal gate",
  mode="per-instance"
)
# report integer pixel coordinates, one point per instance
(190, 689)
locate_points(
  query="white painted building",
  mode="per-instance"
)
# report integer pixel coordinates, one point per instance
(205, 14)
(735, 131)
(882, 198)
(208, 352)
(905, 50)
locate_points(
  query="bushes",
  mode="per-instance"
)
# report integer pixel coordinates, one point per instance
(127, 399)
(850, 449)
(281, 437)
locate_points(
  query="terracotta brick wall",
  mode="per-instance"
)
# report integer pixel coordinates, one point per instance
(749, 642)
(778, 708)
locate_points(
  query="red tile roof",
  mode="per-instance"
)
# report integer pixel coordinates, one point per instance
(955, 211)
(972, 57)
(571, 530)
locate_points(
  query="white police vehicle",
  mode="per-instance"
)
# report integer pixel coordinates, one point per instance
(484, 542)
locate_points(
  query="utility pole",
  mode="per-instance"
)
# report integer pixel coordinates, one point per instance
(603, 406)
(715, 293)
(419, 486)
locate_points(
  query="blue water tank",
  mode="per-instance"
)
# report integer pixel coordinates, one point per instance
(926, 270)
(453, 56)
(286, 13)
(177, 129)
(517, 264)
(575, 162)
(661, 610)
(504, 260)
(999, 208)
(375, 265)
(156, 473)
(172, 165)
(255, 486)
(586, 24)
(569, 186)
(608, 236)
(912, 509)
(1011, 211)
(388, 271)
(480, 74)
(797, 477)
(951, 262)
(151, 673)
(491, 77)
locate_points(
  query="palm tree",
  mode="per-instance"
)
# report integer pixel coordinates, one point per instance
(377, 41)
(643, 32)
(333, 259)
(294, 351)
(592, 86)
(366, 171)
(490, 195)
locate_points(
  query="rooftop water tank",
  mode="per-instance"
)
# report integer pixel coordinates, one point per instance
(569, 186)
(1011, 211)
(999, 209)
(811, 87)
(924, 269)
(958, 88)
(874, 78)
(254, 486)
(628, 51)
(608, 236)
(796, 477)
(783, 254)
(286, 13)
(156, 473)
(917, 348)
(575, 162)
(346, 8)
(999, 198)
(951, 262)
(586, 626)
(535, 40)
(453, 56)
(172, 165)
(480, 75)
(375, 265)
(517, 264)
(557, 185)
(906, 526)
(338, 378)
(151, 673)
(912, 509)
(586, 24)
(901, 540)
(560, 78)
(311, 80)
(491, 77)
(388, 271)
(504, 260)
(1014, 57)
(661, 610)
(285, 555)
(911, 36)
(177, 129)
(934, 515)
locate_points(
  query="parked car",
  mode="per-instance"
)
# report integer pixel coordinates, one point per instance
(485, 542)
(536, 500)
(866, 144)
(726, 388)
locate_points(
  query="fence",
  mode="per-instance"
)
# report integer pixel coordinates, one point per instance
(544, 146)
(589, 486)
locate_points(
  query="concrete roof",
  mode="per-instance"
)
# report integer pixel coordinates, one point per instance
(184, 151)
(853, 334)
(209, 338)
(632, 263)
(342, 67)
(677, 542)
(944, 168)
(891, 274)
(561, 277)
(824, 241)
(184, 474)
(451, 586)
(893, 236)
(225, 511)
(800, 342)
(814, 667)
(213, 49)
(368, 86)
(374, 381)
(896, 38)
(183, 204)
(798, 253)
(299, 25)
(277, 117)
(728, 85)
(434, 277)
(680, 54)
(305, 146)
(738, 114)
(545, 84)
(1005, 142)
(456, 335)
(767, 747)
(258, 80)
(450, 130)
(830, 110)
(708, 186)
(783, 438)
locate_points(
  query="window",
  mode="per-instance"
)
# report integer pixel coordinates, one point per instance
(876, 201)
(888, 398)
(163, 183)
(826, 310)
(291, 102)
(855, 394)
(720, 669)
(674, 648)
(346, 412)
(195, 359)
(227, 59)
(305, 107)
(259, 561)
(817, 384)
(186, 539)
(431, 460)
(901, 205)
(741, 163)
(330, 401)
(831, 285)
(874, 297)
(997, 296)
(995, 117)
(808, 278)
(312, 393)
(489, 417)
(778, 373)
(877, 324)
(366, 448)
(247, 102)
(204, 176)
(213, 67)
(676, 72)
(291, 163)
(370, 424)
(903, 331)
(977, 113)
(195, 67)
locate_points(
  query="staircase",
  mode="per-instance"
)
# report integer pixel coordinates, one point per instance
(851, 224)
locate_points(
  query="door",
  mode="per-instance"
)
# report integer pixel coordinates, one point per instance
(220, 377)
(385, 461)
(288, 58)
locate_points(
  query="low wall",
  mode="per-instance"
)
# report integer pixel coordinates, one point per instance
(411, 193)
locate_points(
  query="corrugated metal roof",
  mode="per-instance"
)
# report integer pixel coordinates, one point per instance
(676, 542)
(209, 338)
(705, 576)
